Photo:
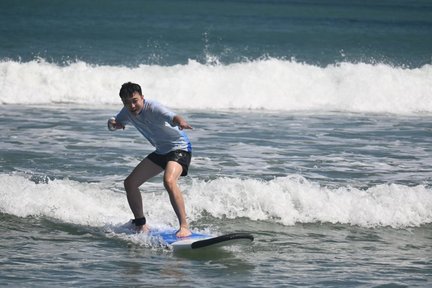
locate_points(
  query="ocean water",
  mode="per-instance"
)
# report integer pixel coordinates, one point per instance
(312, 131)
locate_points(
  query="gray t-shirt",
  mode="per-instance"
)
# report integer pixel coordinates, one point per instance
(155, 123)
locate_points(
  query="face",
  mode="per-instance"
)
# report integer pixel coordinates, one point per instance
(135, 103)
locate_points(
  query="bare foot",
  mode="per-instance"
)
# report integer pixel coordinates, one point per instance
(142, 229)
(183, 232)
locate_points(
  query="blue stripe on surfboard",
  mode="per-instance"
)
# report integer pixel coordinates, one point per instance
(169, 236)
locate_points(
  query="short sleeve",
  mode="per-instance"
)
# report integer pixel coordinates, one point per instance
(164, 112)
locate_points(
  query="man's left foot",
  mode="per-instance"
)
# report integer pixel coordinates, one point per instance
(183, 232)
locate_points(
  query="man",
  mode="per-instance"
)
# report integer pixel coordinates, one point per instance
(163, 129)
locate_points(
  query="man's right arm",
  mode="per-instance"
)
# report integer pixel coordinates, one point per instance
(114, 125)
(119, 121)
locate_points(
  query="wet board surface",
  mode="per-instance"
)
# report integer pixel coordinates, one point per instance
(198, 240)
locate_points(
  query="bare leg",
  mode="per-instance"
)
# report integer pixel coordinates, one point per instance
(145, 170)
(173, 171)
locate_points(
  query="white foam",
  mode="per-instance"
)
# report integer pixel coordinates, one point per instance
(92, 204)
(286, 200)
(66, 200)
(262, 84)
(290, 200)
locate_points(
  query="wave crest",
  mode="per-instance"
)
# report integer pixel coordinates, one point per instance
(268, 84)
(285, 200)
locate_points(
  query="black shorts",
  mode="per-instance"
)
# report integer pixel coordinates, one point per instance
(179, 156)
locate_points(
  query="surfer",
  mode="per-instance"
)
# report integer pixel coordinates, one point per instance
(164, 130)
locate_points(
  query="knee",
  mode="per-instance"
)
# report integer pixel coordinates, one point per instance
(170, 183)
(129, 184)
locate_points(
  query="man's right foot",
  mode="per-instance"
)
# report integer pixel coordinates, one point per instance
(142, 229)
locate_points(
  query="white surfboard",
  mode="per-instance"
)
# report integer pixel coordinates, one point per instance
(198, 240)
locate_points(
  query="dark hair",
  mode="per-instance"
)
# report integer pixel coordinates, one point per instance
(128, 89)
